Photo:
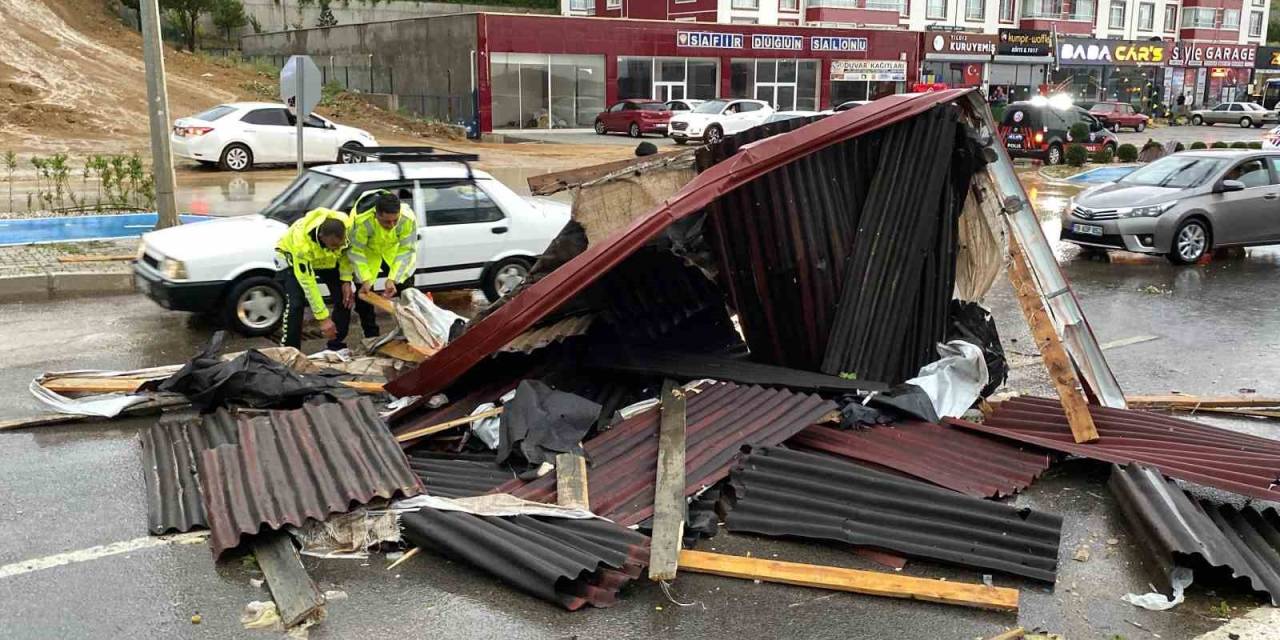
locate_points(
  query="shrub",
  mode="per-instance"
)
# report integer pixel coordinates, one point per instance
(1103, 156)
(1219, 145)
(1079, 132)
(1076, 155)
(1255, 145)
(1178, 146)
(1127, 153)
(1198, 145)
(1239, 144)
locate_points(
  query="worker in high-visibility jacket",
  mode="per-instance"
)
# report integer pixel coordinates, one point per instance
(310, 252)
(384, 242)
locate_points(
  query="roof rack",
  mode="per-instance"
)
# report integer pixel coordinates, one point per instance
(398, 155)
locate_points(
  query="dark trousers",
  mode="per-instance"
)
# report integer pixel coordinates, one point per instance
(296, 305)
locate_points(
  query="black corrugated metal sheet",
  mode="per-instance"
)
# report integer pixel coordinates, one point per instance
(572, 563)
(293, 465)
(170, 451)
(696, 366)
(454, 477)
(1177, 530)
(790, 493)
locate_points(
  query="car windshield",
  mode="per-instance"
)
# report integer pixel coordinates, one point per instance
(1178, 172)
(311, 190)
(214, 113)
(652, 106)
(711, 106)
(1102, 108)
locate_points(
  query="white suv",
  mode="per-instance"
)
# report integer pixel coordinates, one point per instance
(714, 119)
(239, 135)
(472, 232)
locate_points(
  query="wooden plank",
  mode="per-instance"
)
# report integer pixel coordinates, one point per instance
(296, 596)
(152, 405)
(130, 385)
(437, 428)
(571, 481)
(668, 498)
(98, 258)
(1055, 356)
(548, 183)
(1178, 400)
(378, 301)
(1012, 634)
(401, 350)
(890, 585)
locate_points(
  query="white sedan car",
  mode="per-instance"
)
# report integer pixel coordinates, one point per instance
(1271, 139)
(239, 135)
(712, 120)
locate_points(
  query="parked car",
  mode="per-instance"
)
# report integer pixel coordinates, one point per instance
(779, 116)
(714, 119)
(1041, 130)
(472, 233)
(1183, 206)
(845, 106)
(1271, 139)
(1119, 114)
(1245, 114)
(635, 117)
(240, 135)
(676, 106)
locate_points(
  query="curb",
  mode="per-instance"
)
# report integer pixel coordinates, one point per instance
(64, 285)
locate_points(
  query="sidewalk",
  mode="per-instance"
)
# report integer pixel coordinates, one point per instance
(33, 271)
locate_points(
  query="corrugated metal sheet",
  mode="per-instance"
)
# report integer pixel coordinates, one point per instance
(452, 476)
(1179, 530)
(720, 419)
(572, 563)
(779, 492)
(1236, 462)
(547, 295)
(293, 465)
(979, 466)
(540, 337)
(170, 451)
(695, 366)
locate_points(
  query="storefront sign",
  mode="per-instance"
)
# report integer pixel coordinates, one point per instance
(1025, 42)
(1207, 54)
(1080, 51)
(837, 43)
(709, 39)
(869, 70)
(772, 42)
(1268, 58)
(974, 44)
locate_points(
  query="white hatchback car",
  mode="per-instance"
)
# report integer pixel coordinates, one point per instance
(472, 232)
(714, 119)
(239, 135)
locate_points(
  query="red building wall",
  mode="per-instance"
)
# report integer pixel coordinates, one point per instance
(1071, 27)
(851, 16)
(700, 10)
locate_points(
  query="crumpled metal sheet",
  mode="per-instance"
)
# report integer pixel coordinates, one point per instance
(171, 450)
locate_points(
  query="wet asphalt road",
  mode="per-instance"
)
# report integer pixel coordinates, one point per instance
(62, 489)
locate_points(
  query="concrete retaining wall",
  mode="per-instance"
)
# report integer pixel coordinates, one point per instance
(279, 15)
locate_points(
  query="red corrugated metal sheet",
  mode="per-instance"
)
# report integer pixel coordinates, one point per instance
(171, 451)
(720, 419)
(542, 298)
(1186, 450)
(293, 465)
(969, 463)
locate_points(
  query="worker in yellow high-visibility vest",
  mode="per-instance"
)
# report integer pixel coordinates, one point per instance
(384, 241)
(310, 252)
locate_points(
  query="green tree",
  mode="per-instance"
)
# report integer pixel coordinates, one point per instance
(1273, 25)
(188, 14)
(228, 16)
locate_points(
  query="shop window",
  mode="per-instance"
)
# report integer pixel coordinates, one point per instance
(635, 78)
(531, 91)
(1255, 24)
(1231, 19)
(1170, 17)
(668, 78)
(936, 9)
(1006, 11)
(974, 9)
(788, 85)
(1199, 18)
(1146, 17)
(1117, 14)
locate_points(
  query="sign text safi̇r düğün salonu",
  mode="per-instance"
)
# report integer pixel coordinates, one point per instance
(777, 42)
(709, 39)
(837, 43)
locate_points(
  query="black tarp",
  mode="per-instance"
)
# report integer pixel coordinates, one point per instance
(541, 422)
(973, 323)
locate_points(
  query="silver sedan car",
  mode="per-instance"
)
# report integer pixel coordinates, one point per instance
(1183, 206)
(1245, 114)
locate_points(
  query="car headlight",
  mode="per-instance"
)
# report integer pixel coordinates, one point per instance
(142, 251)
(1146, 212)
(175, 269)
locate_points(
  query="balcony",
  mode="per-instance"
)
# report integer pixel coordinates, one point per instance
(869, 12)
(1052, 15)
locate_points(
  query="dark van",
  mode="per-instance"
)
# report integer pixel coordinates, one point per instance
(1039, 130)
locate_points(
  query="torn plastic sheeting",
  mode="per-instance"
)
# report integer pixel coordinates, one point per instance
(541, 422)
(495, 504)
(953, 382)
(104, 405)
(347, 535)
(1180, 578)
(425, 325)
(489, 429)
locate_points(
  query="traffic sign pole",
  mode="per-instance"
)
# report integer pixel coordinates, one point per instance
(299, 116)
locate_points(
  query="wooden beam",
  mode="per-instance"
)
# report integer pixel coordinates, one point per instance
(152, 405)
(548, 183)
(437, 428)
(571, 481)
(1012, 634)
(1180, 401)
(1054, 355)
(379, 301)
(131, 385)
(891, 585)
(668, 498)
(296, 596)
(98, 258)
(401, 350)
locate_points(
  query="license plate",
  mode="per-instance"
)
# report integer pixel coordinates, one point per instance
(1013, 142)
(1087, 229)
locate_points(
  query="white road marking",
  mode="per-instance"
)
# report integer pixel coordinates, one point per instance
(100, 551)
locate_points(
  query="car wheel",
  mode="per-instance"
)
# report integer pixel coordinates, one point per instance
(1054, 155)
(1190, 242)
(254, 306)
(503, 278)
(634, 130)
(714, 134)
(1141, 127)
(346, 157)
(1111, 148)
(1246, 122)
(236, 157)
(600, 128)
(680, 141)
(1115, 127)
(1197, 120)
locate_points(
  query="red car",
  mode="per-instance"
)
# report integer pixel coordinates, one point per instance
(1118, 114)
(636, 117)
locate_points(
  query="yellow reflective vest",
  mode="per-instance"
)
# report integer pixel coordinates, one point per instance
(372, 245)
(304, 253)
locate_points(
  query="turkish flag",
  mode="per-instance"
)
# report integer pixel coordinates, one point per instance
(972, 74)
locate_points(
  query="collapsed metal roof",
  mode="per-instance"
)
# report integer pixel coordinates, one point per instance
(1236, 462)
(171, 451)
(457, 475)
(779, 492)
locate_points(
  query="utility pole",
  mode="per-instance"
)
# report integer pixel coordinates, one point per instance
(158, 112)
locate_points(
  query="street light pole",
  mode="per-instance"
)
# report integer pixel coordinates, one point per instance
(158, 112)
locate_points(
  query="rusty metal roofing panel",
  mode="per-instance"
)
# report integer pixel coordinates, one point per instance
(572, 563)
(535, 302)
(1231, 461)
(720, 419)
(540, 337)
(1178, 530)
(778, 492)
(170, 451)
(459, 476)
(972, 464)
(290, 466)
